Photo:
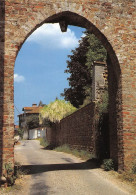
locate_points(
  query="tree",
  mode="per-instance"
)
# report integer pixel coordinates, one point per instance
(41, 103)
(79, 74)
(95, 52)
(21, 132)
(56, 110)
(32, 121)
(79, 66)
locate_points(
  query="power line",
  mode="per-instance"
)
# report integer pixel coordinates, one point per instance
(17, 109)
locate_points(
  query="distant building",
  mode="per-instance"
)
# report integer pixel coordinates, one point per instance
(31, 133)
(16, 127)
(28, 111)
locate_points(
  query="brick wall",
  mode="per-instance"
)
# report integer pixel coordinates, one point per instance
(76, 130)
(51, 135)
(111, 21)
(113, 112)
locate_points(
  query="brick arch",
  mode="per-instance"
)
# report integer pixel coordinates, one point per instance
(77, 20)
(113, 23)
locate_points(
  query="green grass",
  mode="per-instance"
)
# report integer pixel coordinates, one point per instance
(43, 142)
(83, 154)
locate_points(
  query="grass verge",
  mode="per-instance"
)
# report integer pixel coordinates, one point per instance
(83, 154)
(128, 177)
(17, 185)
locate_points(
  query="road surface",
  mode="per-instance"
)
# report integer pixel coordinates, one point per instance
(56, 173)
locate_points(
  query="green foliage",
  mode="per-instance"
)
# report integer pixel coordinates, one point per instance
(9, 169)
(56, 110)
(21, 132)
(102, 104)
(32, 121)
(108, 164)
(63, 148)
(43, 142)
(134, 168)
(44, 121)
(9, 174)
(79, 66)
(96, 51)
(79, 75)
(83, 154)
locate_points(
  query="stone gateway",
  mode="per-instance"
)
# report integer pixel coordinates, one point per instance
(113, 22)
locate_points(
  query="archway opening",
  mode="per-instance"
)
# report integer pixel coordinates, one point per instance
(114, 82)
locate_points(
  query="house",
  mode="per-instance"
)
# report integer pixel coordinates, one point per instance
(16, 127)
(34, 130)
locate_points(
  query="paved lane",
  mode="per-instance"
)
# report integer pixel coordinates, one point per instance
(55, 173)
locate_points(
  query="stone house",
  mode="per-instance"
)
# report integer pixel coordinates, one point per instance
(35, 132)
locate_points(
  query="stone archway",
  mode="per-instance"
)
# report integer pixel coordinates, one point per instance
(113, 24)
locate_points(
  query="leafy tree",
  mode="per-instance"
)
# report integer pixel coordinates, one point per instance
(79, 66)
(32, 121)
(56, 110)
(96, 51)
(41, 103)
(79, 74)
(21, 132)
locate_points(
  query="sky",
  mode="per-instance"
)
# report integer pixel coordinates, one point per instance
(40, 64)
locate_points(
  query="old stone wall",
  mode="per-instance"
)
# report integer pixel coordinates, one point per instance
(113, 22)
(51, 135)
(99, 80)
(76, 130)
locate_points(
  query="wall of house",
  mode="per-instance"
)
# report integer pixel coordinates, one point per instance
(76, 130)
(37, 133)
(33, 134)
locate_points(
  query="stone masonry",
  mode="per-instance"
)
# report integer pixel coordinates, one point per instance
(113, 22)
(99, 79)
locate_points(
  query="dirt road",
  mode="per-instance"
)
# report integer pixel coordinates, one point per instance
(61, 174)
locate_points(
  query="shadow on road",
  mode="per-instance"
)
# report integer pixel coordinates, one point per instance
(34, 169)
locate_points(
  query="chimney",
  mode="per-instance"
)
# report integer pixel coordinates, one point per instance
(34, 105)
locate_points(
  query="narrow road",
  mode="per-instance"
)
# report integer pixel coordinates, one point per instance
(61, 174)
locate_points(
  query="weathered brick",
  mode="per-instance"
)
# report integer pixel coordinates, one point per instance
(113, 23)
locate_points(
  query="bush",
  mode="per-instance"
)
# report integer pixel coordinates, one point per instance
(43, 142)
(21, 133)
(9, 174)
(134, 169)
(108, 164)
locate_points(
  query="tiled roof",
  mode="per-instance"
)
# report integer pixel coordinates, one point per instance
(16, 126)
(35, 109)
